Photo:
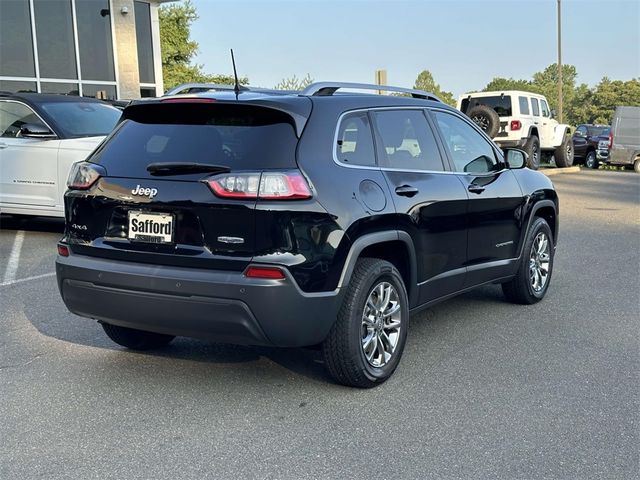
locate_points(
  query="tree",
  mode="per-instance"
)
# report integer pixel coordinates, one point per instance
(426, 82)
(546, 83)
(502, 84)
(294, 83)
(178, 50)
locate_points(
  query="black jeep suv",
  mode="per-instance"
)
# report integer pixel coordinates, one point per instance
(319, 217)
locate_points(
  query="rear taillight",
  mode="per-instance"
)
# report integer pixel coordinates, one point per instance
(516, 125)
(63, 250)
(268, 185)
(610, 140)
(83, 175)
(272, 273)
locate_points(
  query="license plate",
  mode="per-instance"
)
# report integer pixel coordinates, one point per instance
(151, 227)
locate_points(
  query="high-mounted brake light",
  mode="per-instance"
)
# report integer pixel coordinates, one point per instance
(83, 175)
(188, 100)
(516, 125)
(272, 273)
(268, 185)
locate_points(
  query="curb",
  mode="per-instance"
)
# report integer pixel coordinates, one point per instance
(557, 171)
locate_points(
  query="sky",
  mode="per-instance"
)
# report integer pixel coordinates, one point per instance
(463, 43)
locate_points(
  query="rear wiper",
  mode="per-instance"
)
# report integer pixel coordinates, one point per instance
(183, 168)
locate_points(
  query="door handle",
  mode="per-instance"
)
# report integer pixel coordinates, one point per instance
(406, 191)
(473, 188)
(3, 145)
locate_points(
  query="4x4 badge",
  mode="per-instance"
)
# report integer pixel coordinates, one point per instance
(147, 192)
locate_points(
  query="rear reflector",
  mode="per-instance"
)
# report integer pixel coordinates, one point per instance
(273, 273)
(269, 185)
(63, 250)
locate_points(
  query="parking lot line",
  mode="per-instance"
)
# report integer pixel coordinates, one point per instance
(14, 258)
(26, 279)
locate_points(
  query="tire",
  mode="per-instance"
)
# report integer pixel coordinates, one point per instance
(636, 165)
(136, 339)
(590, 160)
(564, 153)
(523, 288)
(353, 350)
(486, 118)
(532, 147)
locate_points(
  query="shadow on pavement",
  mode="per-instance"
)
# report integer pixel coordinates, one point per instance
(32, 224)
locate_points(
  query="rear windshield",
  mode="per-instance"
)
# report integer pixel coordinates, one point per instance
(82, 119)
(598, 131)
(501, 104)
(237, 136)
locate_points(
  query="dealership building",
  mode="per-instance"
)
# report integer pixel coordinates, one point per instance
(104, 48)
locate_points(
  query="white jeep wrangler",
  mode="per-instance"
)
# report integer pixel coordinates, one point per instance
(520, 119)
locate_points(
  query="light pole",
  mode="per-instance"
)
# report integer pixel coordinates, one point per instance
(560, 116)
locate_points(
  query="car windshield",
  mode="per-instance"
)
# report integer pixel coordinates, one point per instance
(83, 119)
(598, 131)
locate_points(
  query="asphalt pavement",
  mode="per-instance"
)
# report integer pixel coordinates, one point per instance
(485, 390)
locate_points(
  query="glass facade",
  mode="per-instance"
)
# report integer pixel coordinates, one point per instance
(68, 47)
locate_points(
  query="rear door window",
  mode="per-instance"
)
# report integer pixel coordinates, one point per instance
(534, 107)
(406, 141)
(354, 143)
(241, 137)
(524, 105)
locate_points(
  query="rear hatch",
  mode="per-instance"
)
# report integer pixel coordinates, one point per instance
(177, 183)
(500, 103)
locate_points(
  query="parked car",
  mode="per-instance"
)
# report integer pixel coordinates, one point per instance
(300, 219)
(523, 120)
(41, 136)
(624, 138)
(591, 144)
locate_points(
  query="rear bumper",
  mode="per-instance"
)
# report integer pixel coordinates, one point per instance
(216, 305)
(510, 143)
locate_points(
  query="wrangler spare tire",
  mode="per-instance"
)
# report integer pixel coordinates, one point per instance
(486, 118)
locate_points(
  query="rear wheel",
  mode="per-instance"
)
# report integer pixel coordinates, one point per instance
(636, 165)
(564, 153)
(365, 344)
(136, 339)
(532, 147)
(534, 273)
(591, 161)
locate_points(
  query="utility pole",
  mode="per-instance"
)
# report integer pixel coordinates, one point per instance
(560, 115)
(381, 79)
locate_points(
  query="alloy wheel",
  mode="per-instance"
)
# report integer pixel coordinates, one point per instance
(539, 262)
(381, 324)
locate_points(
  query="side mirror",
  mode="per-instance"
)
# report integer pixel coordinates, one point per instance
(515, 158)
(36, 130)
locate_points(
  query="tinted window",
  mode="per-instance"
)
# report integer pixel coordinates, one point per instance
(145, 47)
(355, 140)
(534, 107)
(524, 105)
(501, 104)
(146, 92)
(545, 108)
(13, 115)
(17, 86)
(94, 40)
(54, 31)
(237, 136)
(597, 131)
(582, 129)
(406, 141)
(468, 149)
(83, 119)
(63, 88)
(99, 91)
(16, 45)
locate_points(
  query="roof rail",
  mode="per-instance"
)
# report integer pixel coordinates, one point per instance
(320, 89)
(187, 88)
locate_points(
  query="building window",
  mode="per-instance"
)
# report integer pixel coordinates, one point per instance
(55, 87)
(16, 42)
(54, 35)
(145, 46)
(146, 92)
(104, 92)
(94, 40)
(18, 86)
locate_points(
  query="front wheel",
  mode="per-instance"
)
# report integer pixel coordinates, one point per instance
(536, 265)
(136, 339)
(636, 165)
(365, 344)
(564, 153)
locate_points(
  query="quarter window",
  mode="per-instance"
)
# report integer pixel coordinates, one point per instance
(355, 141)
(470, 152)
(406, 141)
(524, 105)
(534, 107)
(13, 116)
